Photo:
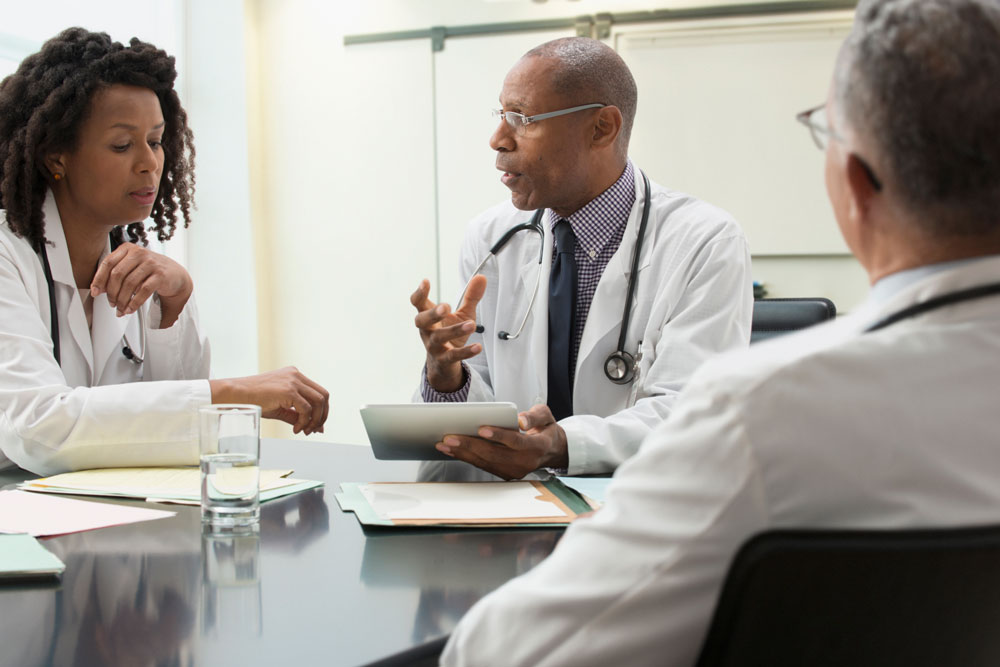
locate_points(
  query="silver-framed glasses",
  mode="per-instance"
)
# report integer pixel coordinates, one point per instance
(819, 126)
(816, 120)
(518, 121)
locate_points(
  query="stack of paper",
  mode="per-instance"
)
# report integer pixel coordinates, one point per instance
(160, 485)
(461, 503)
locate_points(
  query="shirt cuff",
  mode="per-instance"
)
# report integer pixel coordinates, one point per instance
(432, 395)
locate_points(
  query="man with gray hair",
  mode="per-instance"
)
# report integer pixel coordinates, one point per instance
(883, 419)
(549, 301)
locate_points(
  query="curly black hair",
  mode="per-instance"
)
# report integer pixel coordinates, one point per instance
(43, 105)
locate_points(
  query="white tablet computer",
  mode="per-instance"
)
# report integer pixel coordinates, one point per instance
(409, 431)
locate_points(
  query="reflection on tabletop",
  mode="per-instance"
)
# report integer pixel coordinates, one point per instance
(441, 607)
(292, 523)
(231, 592)
(451, 569)
(125, 609)
(134, 597)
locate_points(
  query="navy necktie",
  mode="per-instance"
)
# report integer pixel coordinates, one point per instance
(562, 303)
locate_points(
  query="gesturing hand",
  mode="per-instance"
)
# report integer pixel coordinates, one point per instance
(445, 333)
(131, 274)
(284, 394)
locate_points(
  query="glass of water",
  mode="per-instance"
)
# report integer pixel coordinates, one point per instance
(230, 464)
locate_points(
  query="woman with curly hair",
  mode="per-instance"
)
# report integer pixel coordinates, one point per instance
(102, 362)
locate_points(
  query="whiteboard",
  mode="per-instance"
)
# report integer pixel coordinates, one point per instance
(716, 119)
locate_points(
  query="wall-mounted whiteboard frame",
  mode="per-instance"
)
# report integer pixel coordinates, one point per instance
(716, 118)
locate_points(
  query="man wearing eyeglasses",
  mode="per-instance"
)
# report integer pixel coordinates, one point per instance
(590, 383)
(884, 419)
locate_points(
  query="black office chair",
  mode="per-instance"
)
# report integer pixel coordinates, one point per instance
(427, 654)
(859, 599)
(774, 317)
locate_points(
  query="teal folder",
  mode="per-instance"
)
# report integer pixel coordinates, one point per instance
(22, 557)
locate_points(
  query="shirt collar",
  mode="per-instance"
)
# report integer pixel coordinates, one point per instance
(596, 223)
(894, 283)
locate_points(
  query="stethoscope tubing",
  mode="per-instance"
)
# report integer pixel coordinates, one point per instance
(53, 313)
(935, 303)
(633, 277)
(626, 370)
(127, 350)
(534, 225)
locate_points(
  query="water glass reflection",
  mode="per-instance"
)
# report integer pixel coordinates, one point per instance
(231, 594)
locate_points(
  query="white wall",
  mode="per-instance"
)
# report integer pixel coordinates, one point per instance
(29, 24)
(344, 158)
(220, 242)
(344, 203)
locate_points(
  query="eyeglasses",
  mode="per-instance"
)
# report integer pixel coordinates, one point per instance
(518, 121)
(819, 129)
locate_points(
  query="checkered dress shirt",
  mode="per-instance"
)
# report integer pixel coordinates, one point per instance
(598, 227)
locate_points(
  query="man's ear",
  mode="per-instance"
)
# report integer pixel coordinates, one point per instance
(861, 186)
(607, 126)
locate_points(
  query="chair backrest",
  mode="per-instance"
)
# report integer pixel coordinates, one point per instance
(774, 317)
(860, 598)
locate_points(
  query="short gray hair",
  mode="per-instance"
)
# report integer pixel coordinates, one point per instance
(591, 71)
(921, 80)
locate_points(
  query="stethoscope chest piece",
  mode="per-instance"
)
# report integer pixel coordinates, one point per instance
(620, 367)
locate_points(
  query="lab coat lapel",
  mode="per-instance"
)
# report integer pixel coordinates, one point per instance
(609, 300)
(539, 331)
(107, 329)
(107, 333)
(65, 284)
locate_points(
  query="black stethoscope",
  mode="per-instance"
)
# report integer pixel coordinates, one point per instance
(127, 351)
(620, 367)
(949, 299)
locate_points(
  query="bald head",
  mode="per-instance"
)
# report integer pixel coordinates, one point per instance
(590, 71)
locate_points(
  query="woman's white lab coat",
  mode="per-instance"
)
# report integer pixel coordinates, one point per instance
(693, 300)
(98, 409)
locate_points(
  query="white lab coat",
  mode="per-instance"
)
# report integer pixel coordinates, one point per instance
(98, 409)
(693, 300)
(829, 428)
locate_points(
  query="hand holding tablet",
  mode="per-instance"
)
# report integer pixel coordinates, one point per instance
(409, 431)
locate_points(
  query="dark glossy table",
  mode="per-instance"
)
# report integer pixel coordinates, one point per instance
(312, 588)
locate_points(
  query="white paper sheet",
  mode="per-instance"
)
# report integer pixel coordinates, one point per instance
(459, 500)
(43, 515)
